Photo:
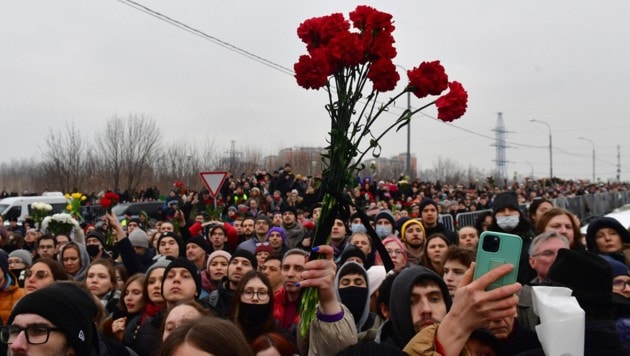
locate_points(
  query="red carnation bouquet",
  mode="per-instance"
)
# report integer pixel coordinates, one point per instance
(108, 201)
(352, 59)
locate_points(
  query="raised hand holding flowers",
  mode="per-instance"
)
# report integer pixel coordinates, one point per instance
(345, 62)
(108, 201)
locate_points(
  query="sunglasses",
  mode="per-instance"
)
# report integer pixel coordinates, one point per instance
(38, 274)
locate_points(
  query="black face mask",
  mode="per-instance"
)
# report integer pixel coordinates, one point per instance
(255, 314)
(93, 250)
(354, 298)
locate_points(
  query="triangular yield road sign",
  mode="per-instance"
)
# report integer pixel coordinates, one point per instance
(214, 181)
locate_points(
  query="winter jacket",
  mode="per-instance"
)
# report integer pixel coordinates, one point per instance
(423, 343)
(280, 298)
(10, 293)
(329, 338)
(295, 234)
(399, 329)
(220, 299)
(440, 228)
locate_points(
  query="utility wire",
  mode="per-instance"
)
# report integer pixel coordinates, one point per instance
(288, 71)
(208, 37)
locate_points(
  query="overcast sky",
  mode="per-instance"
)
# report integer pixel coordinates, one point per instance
(562, 62)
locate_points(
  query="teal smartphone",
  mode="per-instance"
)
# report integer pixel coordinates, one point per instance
(496, 249)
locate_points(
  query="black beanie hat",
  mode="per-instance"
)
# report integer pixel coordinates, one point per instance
(201, 242)
(180, 243)
(290, 209)
(98, 235)
(246, 254)
(588, 275)
(70, 308)
(505, 200)
(426, 201)
(184, 263)
(351, 251)
(386, 214)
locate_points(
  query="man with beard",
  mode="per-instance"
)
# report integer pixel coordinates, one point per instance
(219, 300)
(287, 299)
(420, 299)
(247, 229)
(261, 228)
(413, 237)
(292, 228)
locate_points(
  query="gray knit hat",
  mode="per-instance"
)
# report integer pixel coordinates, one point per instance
(138, 238)
(24, 255)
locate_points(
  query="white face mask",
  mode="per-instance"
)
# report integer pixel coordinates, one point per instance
(382, 231)
(508, 223)
(357, 228)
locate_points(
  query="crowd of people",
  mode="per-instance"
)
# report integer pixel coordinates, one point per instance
(191, 283)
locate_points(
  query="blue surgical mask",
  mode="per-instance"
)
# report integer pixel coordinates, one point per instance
(508, 223)
(357, 228)
(382, 231)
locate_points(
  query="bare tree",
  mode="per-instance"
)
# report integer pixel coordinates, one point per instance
(128, 146)
(65, 159)
(446, 170)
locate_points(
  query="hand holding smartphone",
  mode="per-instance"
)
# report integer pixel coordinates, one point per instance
(496, 249)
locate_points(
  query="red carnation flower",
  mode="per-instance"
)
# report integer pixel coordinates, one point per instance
(381, 46)
(109, 199)
(347, 49)
(368, 19)
(383, 75)
(311, 72)
(452, 105)
(317, 31)
(427, 79)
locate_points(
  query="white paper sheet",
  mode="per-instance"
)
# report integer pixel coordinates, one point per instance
(561, 328)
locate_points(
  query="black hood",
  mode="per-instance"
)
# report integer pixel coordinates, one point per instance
(399, 303)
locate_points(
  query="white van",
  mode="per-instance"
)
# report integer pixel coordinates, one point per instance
(20, 207)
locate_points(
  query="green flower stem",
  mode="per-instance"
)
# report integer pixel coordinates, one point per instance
(322, 236)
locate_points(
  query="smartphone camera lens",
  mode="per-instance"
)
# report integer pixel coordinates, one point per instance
(491, 243)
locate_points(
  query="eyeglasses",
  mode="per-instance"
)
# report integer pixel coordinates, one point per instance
(16, 261)
(35, 334)
(619, 285)
(38, 274)
(546, 253)
(260, 295)
(266, 243)
(394, 252)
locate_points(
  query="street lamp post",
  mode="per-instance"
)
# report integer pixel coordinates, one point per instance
(550, 147)
(531, 170)
(593, 144)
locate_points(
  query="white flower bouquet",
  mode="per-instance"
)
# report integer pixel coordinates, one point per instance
(40, 211)
(61, 223)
